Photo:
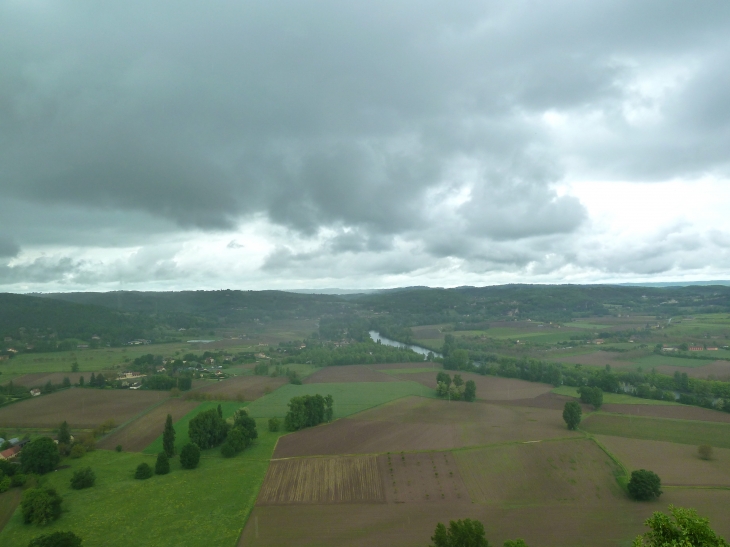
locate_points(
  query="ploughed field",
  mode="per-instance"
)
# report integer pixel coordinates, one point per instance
(243, 388)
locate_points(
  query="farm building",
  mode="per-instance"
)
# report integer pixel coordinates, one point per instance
(10, 453)
(35, 392)
(696, 348)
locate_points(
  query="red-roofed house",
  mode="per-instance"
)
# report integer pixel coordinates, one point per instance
(10, 453)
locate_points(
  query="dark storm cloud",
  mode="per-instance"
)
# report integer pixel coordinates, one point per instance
(362, 118)
(8, 248)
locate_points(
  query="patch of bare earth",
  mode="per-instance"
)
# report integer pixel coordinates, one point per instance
(349, 373)
(416, 423)
(81, 408)
(137, 435)
(342, 479)
(597, 359)
(243, 388)
(423, 477)
(490, 388)
(717, 370)
(39, 379)
(676, 412)
(676, 464)
(397, 366)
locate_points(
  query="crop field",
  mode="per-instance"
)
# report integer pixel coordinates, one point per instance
(718, 370)
(672, 412)
(243, 388)
(660, 360)
(676, 464)
(417, 424)
(181, 426)
(424, 477)
(612, 398)
(596, 359)
(348, 373)
(539, 473)
(349, 398)
(353, 479)
(81, 408)
(141, 432)
(491, 388)
(39, 379)
(657, 429)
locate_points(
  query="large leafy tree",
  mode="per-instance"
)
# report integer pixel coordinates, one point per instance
(83, 478)
(208, 429)
(40, 456)
(644, 485)
(190, 456)
(168, 437)
(460, 533)
(40, 506)
(685, 530)
(470, 391)
(572, 414)
(64, 435)
(307, 411)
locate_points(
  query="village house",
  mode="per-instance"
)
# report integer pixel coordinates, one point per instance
(131, 374)
(10, 453)
(696, 348)
(35, 392)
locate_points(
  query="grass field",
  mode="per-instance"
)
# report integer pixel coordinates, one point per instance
(612, 398)
(659, 360)
(206, 506)
(181, 426)
(348, 398)
(658, 429)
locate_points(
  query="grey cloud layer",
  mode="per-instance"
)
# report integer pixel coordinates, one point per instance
(365, 118)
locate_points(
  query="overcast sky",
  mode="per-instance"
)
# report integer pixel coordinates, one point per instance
(309, 144)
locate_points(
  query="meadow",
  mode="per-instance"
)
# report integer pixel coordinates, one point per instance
(612, 398)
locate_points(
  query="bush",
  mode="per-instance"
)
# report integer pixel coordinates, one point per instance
(40, 505)
(119, 448)
(56, 539)
(83, 478)
(19, 479)
(144, 471)
(644, 485)
(77, 451)
(5, 483)
(190, 456)
(162, 465)
(227, 450)
(40, 456)
(274, 424)
(705, 451)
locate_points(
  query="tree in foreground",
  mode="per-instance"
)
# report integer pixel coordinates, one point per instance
(208, 429)
(687, 529)
(64, 435)
(460, 533)
(190, 456)
(144, 471)
(40, 456)
(162, 465)
(470, 391)
(83, 478)
(572, 414)
(168, 437)
(40, 506)
(644, 485)
(56, 539)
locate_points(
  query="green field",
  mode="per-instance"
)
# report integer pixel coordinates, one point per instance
(661, 360)
(206, 506)
(348, 398)
(181, 426)
(612, 398)
(586, 325)
(658, 429)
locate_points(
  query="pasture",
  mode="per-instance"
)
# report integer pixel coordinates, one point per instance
(348, 373)
(80, 407)
(612, 398)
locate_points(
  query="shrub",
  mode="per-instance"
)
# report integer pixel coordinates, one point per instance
(144, 471)
(40, 456)
(5, 483)
(644, 485)
(470, 391)
(77, 451)
(119, 448)
(19, 479)
(274, 424)
(227, 450)
(190, 456)
(83, 478)
(40, 505)
(56, 539)
(705, 451)
(162, 465)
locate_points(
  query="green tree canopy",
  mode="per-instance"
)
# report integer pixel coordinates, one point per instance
(168, 437)
(162, 465)
(686, 530)
(470, 391)
(306, 411)
(644, 485)
(190, 456)
(83, 478)
(40, 456)
(208, 429)
(64, 435)
(40, 506)
(572, 414)
(143, 471)
(460, 533)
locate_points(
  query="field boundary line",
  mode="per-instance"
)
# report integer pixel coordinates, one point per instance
(133, 418)
(638, 417)
(613, 458)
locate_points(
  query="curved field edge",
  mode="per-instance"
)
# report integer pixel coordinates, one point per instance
(205, 506)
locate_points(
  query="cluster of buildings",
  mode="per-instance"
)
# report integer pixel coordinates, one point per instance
(16, 445)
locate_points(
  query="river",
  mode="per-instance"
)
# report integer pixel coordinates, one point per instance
(375, 335)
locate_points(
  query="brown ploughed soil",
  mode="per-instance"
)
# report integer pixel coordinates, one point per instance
(546, 400)
(39, 379)
(343, 479)
(425, 477)
(597, 359)
(246, 388)
(83, 408)
(416, 423)
(137, 435)
(420, 364)
(676, 464)
(719, 370)
(677, 412)
(349, 373)
(490, 388)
